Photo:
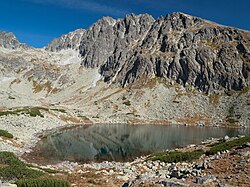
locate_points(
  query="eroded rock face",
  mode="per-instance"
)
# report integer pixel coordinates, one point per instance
(178, 48)
(187, 50)
(9, 41)
(66, 41)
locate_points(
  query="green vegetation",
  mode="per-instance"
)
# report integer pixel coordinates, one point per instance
(30, 111)
(222, 146)
(232, 120)
(127, 103)
(232, 117)
(47, 170)
(6, 134)
(43, 182)
(11, 168)
(176, 156)
(59, 110)
(34, 111)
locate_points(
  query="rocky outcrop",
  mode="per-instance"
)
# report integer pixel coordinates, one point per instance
(66, 41)
(8, 40)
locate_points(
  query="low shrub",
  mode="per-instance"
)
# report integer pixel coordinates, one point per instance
(176, 156)
(223, 146)
(6, 134)
(14, 168)
(43, 182)
(59, 110)
(127, 103)
(232, 120)
(11, 168)
(30, 111)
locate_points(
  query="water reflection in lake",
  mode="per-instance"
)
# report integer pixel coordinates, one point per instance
(123, 142)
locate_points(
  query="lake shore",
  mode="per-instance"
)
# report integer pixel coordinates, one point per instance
(27, 130)
(229, 167)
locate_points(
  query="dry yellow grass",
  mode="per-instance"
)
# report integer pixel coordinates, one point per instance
(194, 120)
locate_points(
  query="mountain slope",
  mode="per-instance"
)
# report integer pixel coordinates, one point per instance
(177, 69)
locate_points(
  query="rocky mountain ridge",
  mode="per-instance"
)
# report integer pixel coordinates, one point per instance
(9, 41)
(66, 41)
(178, 48)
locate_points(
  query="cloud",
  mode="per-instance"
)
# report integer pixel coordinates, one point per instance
(84, 5)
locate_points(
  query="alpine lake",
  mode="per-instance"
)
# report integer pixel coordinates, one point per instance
(120, 142)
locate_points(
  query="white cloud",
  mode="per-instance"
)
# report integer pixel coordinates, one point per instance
(84, 5)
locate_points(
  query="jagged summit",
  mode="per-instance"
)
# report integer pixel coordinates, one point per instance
(8, 40)
(66, 41)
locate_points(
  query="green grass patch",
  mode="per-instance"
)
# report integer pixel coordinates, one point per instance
(176, 156)
(33, 112)
(43, 182)
(232, 120)
(47, 170)
(6, 134)
(223, 146)
(13, 169)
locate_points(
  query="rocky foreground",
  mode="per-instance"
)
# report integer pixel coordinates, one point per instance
(225, 168)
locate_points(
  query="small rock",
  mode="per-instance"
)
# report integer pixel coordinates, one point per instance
(176, 174)
(205, 179)
(125, 184)
(226, 138)
(246, 154)
(124, 178)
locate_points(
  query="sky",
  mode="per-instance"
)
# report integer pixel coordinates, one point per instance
(37, 22)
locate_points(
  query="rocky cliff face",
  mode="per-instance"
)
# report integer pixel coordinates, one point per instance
(9, 41)
(185, 49)
(178, 48)
(66, 41)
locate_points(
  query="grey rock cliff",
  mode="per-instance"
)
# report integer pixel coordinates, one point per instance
(178, 48)
(8, 40)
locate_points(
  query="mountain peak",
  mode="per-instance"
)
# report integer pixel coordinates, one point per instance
(66, 41)
(8, 40)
